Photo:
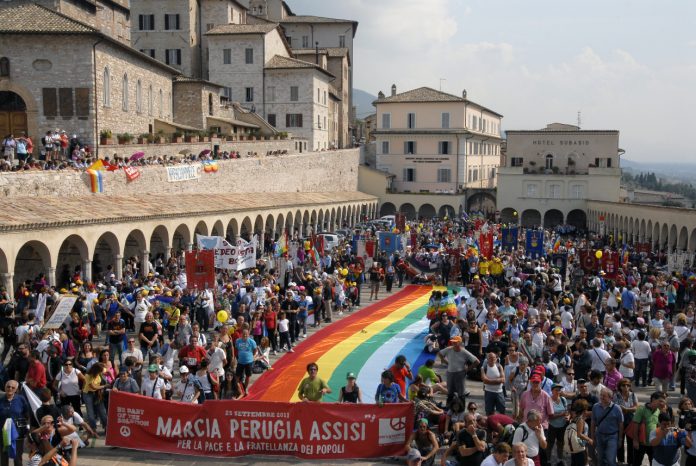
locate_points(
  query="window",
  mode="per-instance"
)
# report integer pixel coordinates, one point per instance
(82, 102)
(475, 175)
(531, 190)
(409, 174)
(146, 22)
(226, 56)
(554, 191)
(342, 41)
(293, 120)
(150, 103)
(444, 175)
(249, 94)
(210, 104)
(270, 94)
(305, 42)
(272, 119)
(150, 52)
(385, 147)
(171, 22)
(516, 161)
(409, 147)
(411, 121)
(386, 120)
(319, 121)
(227, 93)
(65, 100)
(124, 93)
(160, 103)
(138, 97)
(443, 148)
(549, 162)
(474, 122)
(325, 95)
(249, 56)
(289, 39)
(445, 120)
(209, 26)
(106, 88)
(4, 67)
(608, 162)
(577, 191)
(172, 56)
(294, 93)
(318, 95)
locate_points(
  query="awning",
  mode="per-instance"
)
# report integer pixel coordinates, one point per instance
(170, 124)
(233, 122)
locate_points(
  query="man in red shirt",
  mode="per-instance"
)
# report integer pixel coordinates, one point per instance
(36, 375)
(192, 354)
(401, 371)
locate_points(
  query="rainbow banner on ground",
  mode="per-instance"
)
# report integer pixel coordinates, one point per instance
(365, 343)
(96, 181)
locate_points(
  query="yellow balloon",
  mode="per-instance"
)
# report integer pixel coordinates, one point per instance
(222, 316)
(598, 254)
(145, 292)
(514, 214)
(408, 228)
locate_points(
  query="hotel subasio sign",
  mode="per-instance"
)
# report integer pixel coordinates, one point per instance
(561, 142)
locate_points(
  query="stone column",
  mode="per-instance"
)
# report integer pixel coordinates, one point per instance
(8, 283)
(51, 276)
(86, 270)
(189, 247)
(145, 262)
(118, 266)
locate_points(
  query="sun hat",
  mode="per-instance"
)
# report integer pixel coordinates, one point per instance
(350, 375)
(153, 368)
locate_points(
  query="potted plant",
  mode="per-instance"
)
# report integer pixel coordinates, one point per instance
(203, 136)
(190, 137)
(124, 138)
(160, 138)
(105, 137)
(554, 169)
(283, 135)
(532, 163)
(144, 138)
(212, 133)
(177, 137)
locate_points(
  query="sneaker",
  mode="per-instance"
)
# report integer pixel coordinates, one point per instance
(274, 353)
(300, 337)
(340, 313)
(291, 350)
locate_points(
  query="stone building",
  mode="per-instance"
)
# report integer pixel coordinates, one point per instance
(255, 65)
(548, 176)
(62, 73)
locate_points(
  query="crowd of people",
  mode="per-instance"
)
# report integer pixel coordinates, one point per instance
(559, 353)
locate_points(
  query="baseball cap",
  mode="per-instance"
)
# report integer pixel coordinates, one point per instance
(183, 370)
(153, 368)
(413, 455)
(350, 375)
(498, 333)
(556, 385)
(535, 378)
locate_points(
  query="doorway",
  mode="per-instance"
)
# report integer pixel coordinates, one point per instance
(13, 114)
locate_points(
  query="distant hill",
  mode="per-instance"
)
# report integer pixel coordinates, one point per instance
(362, 101)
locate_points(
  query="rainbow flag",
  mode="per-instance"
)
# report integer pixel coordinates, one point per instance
(366, 343)
(96, 181)
(557, 244)
(98, 165)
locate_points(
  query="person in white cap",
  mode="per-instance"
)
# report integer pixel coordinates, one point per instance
(186, 389)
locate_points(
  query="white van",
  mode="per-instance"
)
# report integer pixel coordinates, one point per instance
(389, 218)
(330, 241)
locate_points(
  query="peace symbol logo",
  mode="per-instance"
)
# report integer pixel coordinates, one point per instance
(125, 431)
(397, 423)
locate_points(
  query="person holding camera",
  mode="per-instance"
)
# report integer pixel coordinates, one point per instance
(666, 441)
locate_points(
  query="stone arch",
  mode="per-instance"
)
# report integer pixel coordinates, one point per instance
(531, 218)
(201, 229)
(387, 208)
(313, 222)
(159, 243)
(32, 108)
(692, 240)
(508, 215)
(641, 231)
(289, 224)
(672, 237)
(649, 232)
(33, 259)
(232, 230)
(427, 211)
(181, 238)
(664, 236)
(107, 251)
(482, 201)
(246, 229)
(218, 229)
(656, 235)
(321, 221)
(297, 224)
(258, 225)
(279, 224)
(269, 228)
(636, 229)
(134, 245)
(408, 210)
(553, 218)
(305, 223)
(446, 211)
(683, 241)
(4, 265)
(332, 220)
(577, 218)
(72, 255)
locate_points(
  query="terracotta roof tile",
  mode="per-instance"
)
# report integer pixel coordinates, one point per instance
(282, 63)
(32, 18)
(226, 29)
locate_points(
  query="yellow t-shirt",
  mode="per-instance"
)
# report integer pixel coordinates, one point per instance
(91, 383)
(483, 267)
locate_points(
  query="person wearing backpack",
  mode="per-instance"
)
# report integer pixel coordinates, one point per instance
(575, 436)
(531, 433)
(666, 441)
(493, 377)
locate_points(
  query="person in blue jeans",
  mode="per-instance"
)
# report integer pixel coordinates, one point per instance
(607, 428)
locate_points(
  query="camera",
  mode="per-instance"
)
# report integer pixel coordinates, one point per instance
(687, 420)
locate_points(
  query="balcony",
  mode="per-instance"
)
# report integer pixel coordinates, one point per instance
(560, 171)
(417, 187)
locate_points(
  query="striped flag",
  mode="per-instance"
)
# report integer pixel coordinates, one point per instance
(96, 181)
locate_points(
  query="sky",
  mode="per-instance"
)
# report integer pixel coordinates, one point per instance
(628, 65)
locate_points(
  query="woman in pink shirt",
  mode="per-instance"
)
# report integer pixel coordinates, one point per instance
(663, 366)
(613, 376)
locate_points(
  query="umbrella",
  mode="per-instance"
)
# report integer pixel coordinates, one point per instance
(204, 152)
(185, 151)
(137, 156)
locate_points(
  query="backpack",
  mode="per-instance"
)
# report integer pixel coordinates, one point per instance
(571, 442)
(525, 432)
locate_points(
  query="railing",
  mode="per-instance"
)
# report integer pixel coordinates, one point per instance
(417, 187)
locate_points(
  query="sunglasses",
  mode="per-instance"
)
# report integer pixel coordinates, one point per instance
(68, 364)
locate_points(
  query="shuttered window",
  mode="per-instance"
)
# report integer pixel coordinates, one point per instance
(65, 97)
(82, 101)
(50, 101)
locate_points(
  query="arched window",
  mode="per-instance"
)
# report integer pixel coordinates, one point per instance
(161, 103)
(210, 104)
(5, 67)
(549, 161)
(139, 97)
(149, 100)
(106, 88)
(124, 92)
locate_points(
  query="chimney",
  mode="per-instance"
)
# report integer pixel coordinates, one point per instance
(464, 94)
(393, 90)
(380, 95)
